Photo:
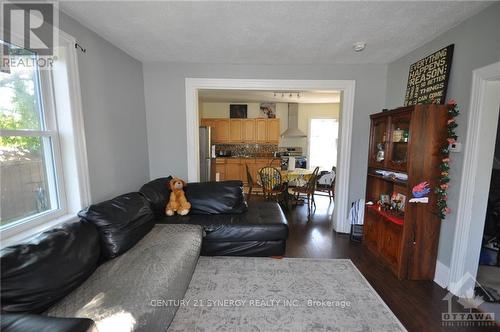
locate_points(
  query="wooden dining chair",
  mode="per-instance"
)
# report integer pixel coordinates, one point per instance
(272, 183)
(326, 183)
(250, 182)
(308, 190)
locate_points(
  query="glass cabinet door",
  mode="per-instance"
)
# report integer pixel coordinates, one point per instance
(378, 148)
(399, 137)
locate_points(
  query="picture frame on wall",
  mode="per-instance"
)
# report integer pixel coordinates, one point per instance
(428, 78)
(238, 111)
(268, 110)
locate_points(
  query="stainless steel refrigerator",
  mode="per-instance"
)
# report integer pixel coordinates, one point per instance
(207, 155)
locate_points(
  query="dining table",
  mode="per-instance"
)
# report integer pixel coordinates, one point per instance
(297, 177)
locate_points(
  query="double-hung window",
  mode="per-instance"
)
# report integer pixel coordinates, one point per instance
(43, 165)
(30, 159)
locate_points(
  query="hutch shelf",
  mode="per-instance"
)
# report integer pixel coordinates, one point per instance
(406, 142)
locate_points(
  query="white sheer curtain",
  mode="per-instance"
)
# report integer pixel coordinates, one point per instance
(323, 137)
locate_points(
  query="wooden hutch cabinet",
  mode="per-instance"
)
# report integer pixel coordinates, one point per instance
(405, 140)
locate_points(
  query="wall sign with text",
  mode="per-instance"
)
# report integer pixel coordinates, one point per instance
(428, 78)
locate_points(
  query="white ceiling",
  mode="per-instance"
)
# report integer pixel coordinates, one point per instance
(244, 96)
(275, 32)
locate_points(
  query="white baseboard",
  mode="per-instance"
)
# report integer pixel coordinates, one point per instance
(442, 275)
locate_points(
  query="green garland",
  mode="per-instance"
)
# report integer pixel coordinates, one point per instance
(444, 178)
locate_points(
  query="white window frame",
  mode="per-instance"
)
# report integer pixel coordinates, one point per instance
(55, 179)
(69, 148)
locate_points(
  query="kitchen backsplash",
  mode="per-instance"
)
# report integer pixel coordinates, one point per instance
(254, 150)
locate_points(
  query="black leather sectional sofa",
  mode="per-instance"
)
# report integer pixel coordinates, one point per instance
(231, 226)
(79, 276)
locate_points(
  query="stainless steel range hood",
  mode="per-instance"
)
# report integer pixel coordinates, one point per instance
(293, 122)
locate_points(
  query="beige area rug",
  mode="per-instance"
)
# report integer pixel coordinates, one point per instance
(290, 294)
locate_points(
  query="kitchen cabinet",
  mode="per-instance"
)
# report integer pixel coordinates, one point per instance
(248, 130)
(221, 132)
(207, 123)
(273, 130)
(276, 162)
(261, 130)
(250, 162)
(244, 130)
(233, 169)
(220, 169)
(235, 131)
(259, 163)
(267, 130)
(220, 129)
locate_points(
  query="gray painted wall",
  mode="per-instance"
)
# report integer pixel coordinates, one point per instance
(166, 116)
(477, 44)
(112, 90)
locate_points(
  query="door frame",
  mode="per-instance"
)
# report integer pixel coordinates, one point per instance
(347, 88)
(467, 244)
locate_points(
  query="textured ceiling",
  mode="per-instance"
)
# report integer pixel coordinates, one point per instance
(242, 96)
(275, 32)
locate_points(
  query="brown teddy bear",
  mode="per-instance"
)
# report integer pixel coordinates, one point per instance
(177, 202)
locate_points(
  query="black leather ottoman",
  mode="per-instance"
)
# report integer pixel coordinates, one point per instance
(261, 231)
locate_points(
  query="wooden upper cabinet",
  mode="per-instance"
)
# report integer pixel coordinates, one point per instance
(267, 130)
(207, 123)
(244, 130)
(221, 131)
(248, 130)
(235, 131)
(273, 130)
(261, 130)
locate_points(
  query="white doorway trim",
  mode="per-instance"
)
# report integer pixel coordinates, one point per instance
(467, 242)
(347, 87)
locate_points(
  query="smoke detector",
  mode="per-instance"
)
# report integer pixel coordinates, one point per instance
(359, 46)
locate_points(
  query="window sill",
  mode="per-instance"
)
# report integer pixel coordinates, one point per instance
(11, 237)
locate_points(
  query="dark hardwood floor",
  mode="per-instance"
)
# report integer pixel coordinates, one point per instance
(417, 304)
